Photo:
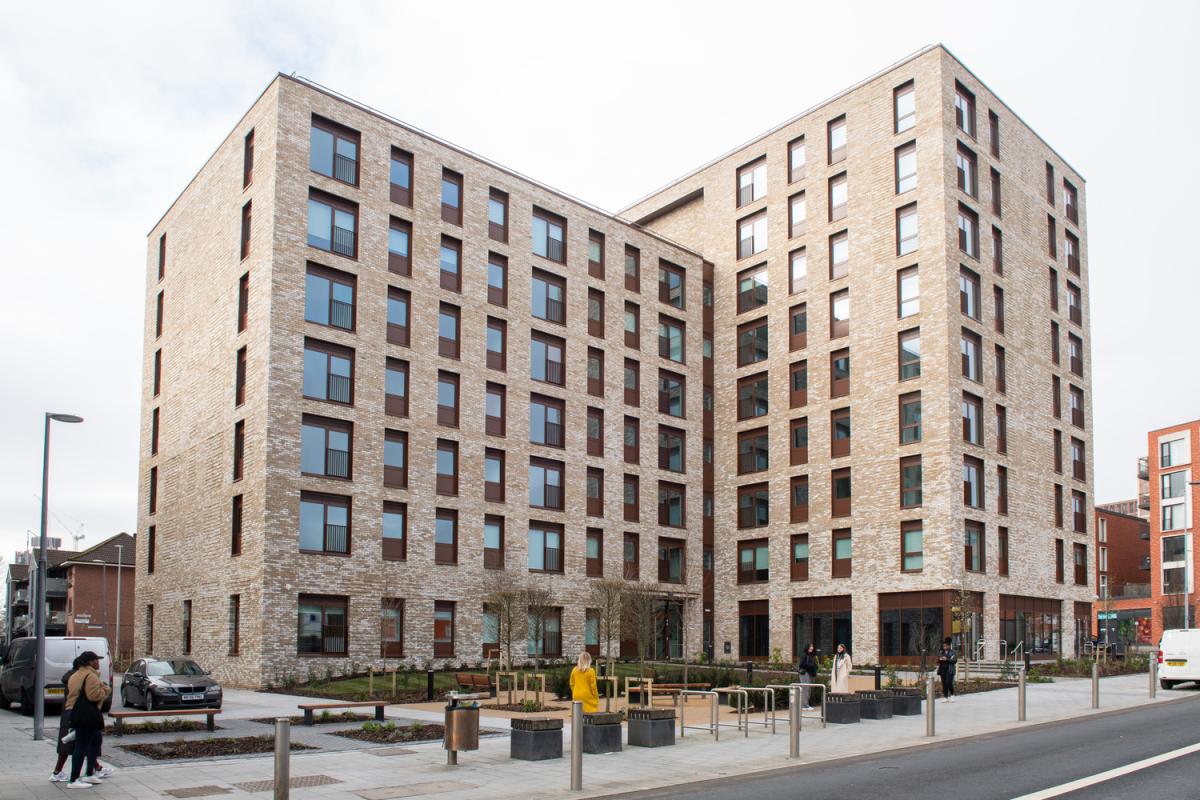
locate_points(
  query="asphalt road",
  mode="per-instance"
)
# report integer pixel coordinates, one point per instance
(997, 766)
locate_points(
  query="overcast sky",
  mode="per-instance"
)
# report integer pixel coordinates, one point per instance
(111, 108)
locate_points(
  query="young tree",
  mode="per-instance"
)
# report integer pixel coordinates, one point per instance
(537, 600)
(607, 596)
(639, 614)
(504, 597)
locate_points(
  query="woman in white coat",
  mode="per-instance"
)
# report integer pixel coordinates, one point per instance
(839, 682)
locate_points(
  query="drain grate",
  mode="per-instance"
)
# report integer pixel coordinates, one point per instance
(302, 782)
(198, 791)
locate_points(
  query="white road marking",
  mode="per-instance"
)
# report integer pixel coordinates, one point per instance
(1108, 775)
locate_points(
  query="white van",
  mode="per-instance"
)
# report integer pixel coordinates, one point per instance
(17, 674)
(1179, 657)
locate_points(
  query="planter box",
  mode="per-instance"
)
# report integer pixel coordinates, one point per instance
(875, 705)
(602, 732)
(842, 709)
(536, 739)
(906, 702)
(651, 727)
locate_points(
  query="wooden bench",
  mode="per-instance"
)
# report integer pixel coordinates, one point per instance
(669, 689)
(309, 708)
(472, 680)
(119, 717)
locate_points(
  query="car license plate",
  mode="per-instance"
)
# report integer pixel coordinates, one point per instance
(191, 698)
(1177, 662)
(54, 691)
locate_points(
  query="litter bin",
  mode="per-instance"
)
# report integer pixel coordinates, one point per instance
(462, 725)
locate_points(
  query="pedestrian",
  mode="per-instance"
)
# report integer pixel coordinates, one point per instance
(66, 739)
(839, 680)
(583, 683)
(808, 672)
(86, 692)
(947, 666)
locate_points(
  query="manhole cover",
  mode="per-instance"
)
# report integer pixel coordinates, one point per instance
(302, 782)
(198, 791)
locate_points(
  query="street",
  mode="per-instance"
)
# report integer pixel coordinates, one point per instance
(1029, 764)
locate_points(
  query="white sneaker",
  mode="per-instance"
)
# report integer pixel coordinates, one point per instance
(79, 784)
(92, 779)
(60, 777)
(105, 772)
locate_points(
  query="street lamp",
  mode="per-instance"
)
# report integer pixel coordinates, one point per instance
(120, 568)
(39, 609)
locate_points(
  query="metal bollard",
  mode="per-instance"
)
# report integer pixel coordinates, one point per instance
(1095, 685)
(429, 686)
(283, 752)
(1153, 675)
(878, 678)
(930, 712)
(794, 714)
(1021, 695)
(576, 746)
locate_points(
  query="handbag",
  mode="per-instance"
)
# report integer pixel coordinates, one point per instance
(85, 714)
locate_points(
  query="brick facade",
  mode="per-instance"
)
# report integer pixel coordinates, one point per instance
(1171, 452)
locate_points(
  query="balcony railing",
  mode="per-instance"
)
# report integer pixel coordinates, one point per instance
(336, 539)
(343, 241)
(341, 315)
(22, 596)
(339, 388)
(57, 587)
(555, 310)
(1144, 502)
(554, 249)
(57, 618)
(1143, 468)
(345, 169)
(337, 463)
(1129, 591)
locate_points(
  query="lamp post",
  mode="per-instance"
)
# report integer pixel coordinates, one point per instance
(120, 568)
(39, 608)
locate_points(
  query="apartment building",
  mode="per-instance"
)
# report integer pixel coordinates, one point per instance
(1123, 612)
(902, 376)
(1174, 491)
(381, 371)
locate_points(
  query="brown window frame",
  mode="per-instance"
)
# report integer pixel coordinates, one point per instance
(1079, 562)
(595, 321)
(337, 131)
(841, 567)
(152, 492)
(595, 384)
(906, 527)
(1002, 489)
(1001, 429)
(446, 484)
(327, 501)
(632, 393)
(998, 309)
(997, 251)
(451, 213)
(450, 347)
(797, 171)
(399, 193)
(154, 431)
(498, 295)
(798, 455)
(798, 327)
(442, 648)
(235, 619)
(753, 546)
(396, 333)
(633, 339)
(631, 567)
(595, 502)
(667, 544)
(974, 465)
(841, 506)
(966, 179)
(665, 293)
(551, 220)
(839, 269)
(152, 548)
(1001, 370)
(1002, 551)
(1059, 567)
(447, 416)
(1051, 237)
(159, 303)
(664, 396)
(839, 387)
(1076, 405)
(840, 447)
(907, 463)
(747, 515)
(498, 231)
(906, 88)
(450, 280)
(836, 211)
(551, 435)
(997, 207)
(753, 451)
(667, 490)
(908, 399)
(632, 512)
(799, 499)
(326, 604)
(394, 404)
(667, 323)
(335, 311)
(799, 566)
(492, 425)
(633, 277)
(335, 203)
(964, 113)
(548, 370)
(494, 492)
(748, 351)
(836, 154)
(497, 360)
(243, 302)
(391, 547)
(839, 327)
(400, 263)
(329, 459)
(972, 526)
(665, 434)
(1078, 511)
(595, 444)
(968, 237)
(1074, 303)
(631, 450)
(594, 565)
(596, 267)
(391, 647)
(247, 161)
(239, 450)
(446, 554)
(556, 310)
(798, 227)
(236, 519)
(756, 381)
(551, 502)
(247, 220)
(798, 384)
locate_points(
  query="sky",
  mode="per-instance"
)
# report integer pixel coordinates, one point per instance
(110, 109)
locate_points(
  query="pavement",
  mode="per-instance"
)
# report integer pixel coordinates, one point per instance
(420, 770)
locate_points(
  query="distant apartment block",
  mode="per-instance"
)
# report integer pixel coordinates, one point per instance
(1174, 491)
(1124, 610)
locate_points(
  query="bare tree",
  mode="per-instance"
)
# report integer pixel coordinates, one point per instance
(639, 605)
(505, 599)
(537, 600)
(607, 598)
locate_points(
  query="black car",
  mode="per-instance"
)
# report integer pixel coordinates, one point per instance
(153, 683)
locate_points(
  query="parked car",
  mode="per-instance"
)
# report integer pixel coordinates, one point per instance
(1179, 657)
(17, 675)
(153, 683)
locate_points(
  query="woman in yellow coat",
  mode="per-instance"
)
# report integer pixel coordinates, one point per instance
(583, 684)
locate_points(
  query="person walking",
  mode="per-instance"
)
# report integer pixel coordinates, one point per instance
(808, 673)
(66, 739)
(947, 666)
(583, 683)
(839, 680)
(86, 692)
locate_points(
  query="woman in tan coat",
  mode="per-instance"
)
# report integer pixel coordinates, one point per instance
(839, 681)
(86, 692)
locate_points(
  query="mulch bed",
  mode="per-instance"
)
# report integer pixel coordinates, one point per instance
(390, 733)
(208, 748)
(323, 693)
(332, 719)
(166, 726)
(520, 708)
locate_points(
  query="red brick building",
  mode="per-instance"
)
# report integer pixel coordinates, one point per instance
(97, 579)
(1124, 611)
(1174, 491)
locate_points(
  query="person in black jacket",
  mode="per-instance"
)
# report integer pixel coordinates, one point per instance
(947, 665)
(808, 672)
(66, 741)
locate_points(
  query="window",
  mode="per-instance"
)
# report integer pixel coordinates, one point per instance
(1058, 505)
(972, 472)
(752, 396)
(906, 230)
(445, 536)
(997, 251)
(329, 297)
(1058, 451)
(1172, 453)
(842, 552)
(796, 159)
(671, 338)
(447, 467)
(1174, 516)
(149, 620)
(1001, 429)
(400, 173)
(447, 399)
(752, 341)
(546, 358)
(972, 419)
(752, 288)
(671, 449)
(595, 432)
(1171, 484)
(395, 531)
(497, 272)
(239, 449)
(631, 436)
(549, 236)
(906, 167)
(1051, 237)
(243, 307)
(799, 557)
(498, 215)
(994, 130)
(912, 546)
(798, 214)
(325, 447)
(152, 491)
(595, 372)
(595, 492)
(1072, 248)
(1058, 561)
(450, 259)
(235, 527)
(752, 235)
(838, 196)
(391, 628)
(247, 163)
(594, 553)
(1055, 338)
(910, 418)
(631, 498)
(910, 354)
(798, 441)
(904, 103)
(157, 372)
(452, 192)
(497, 342)
(1080, 562)
(1079, 512)
(548, 297)
(158, 315)
(1053, 289)
(596, 254)
(247, 216)
(671, 393)
(998, 308)
(836, 134)
(996, 205)
(333, 150)
(839, 255)
(448, 327)
(546, 420)
(753, 506)
(799, 498)
(321, 628)
(1076, 399)
(964, 109)
(910, 482)
(633, 383)
(839, 314)
(966, 171)
(240, 394)
(798, 271)
(841, 492)
(545, 484)
(968, 293)
(908, 291)
(754, 563)
(630, 556)
(752, 182)
(1070, 201)
(332, 224)
(753, 451)
(798, 327)
(798, 384)
(545, 547)
(974, 543)
(970, 346)
(1074, 304)
(1079, 460)
(633, 268)
(1001, 370)
(324, 523)
(595, 313)
(395, 398)
(672, 505)
(839, 432)
(398, 316)
(968, 231)
(633, 326)
(443, 629)
(1002, 490)
(493, 475)
(151, 547)
(839, 373)
(754, 629)
(1002, 551)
